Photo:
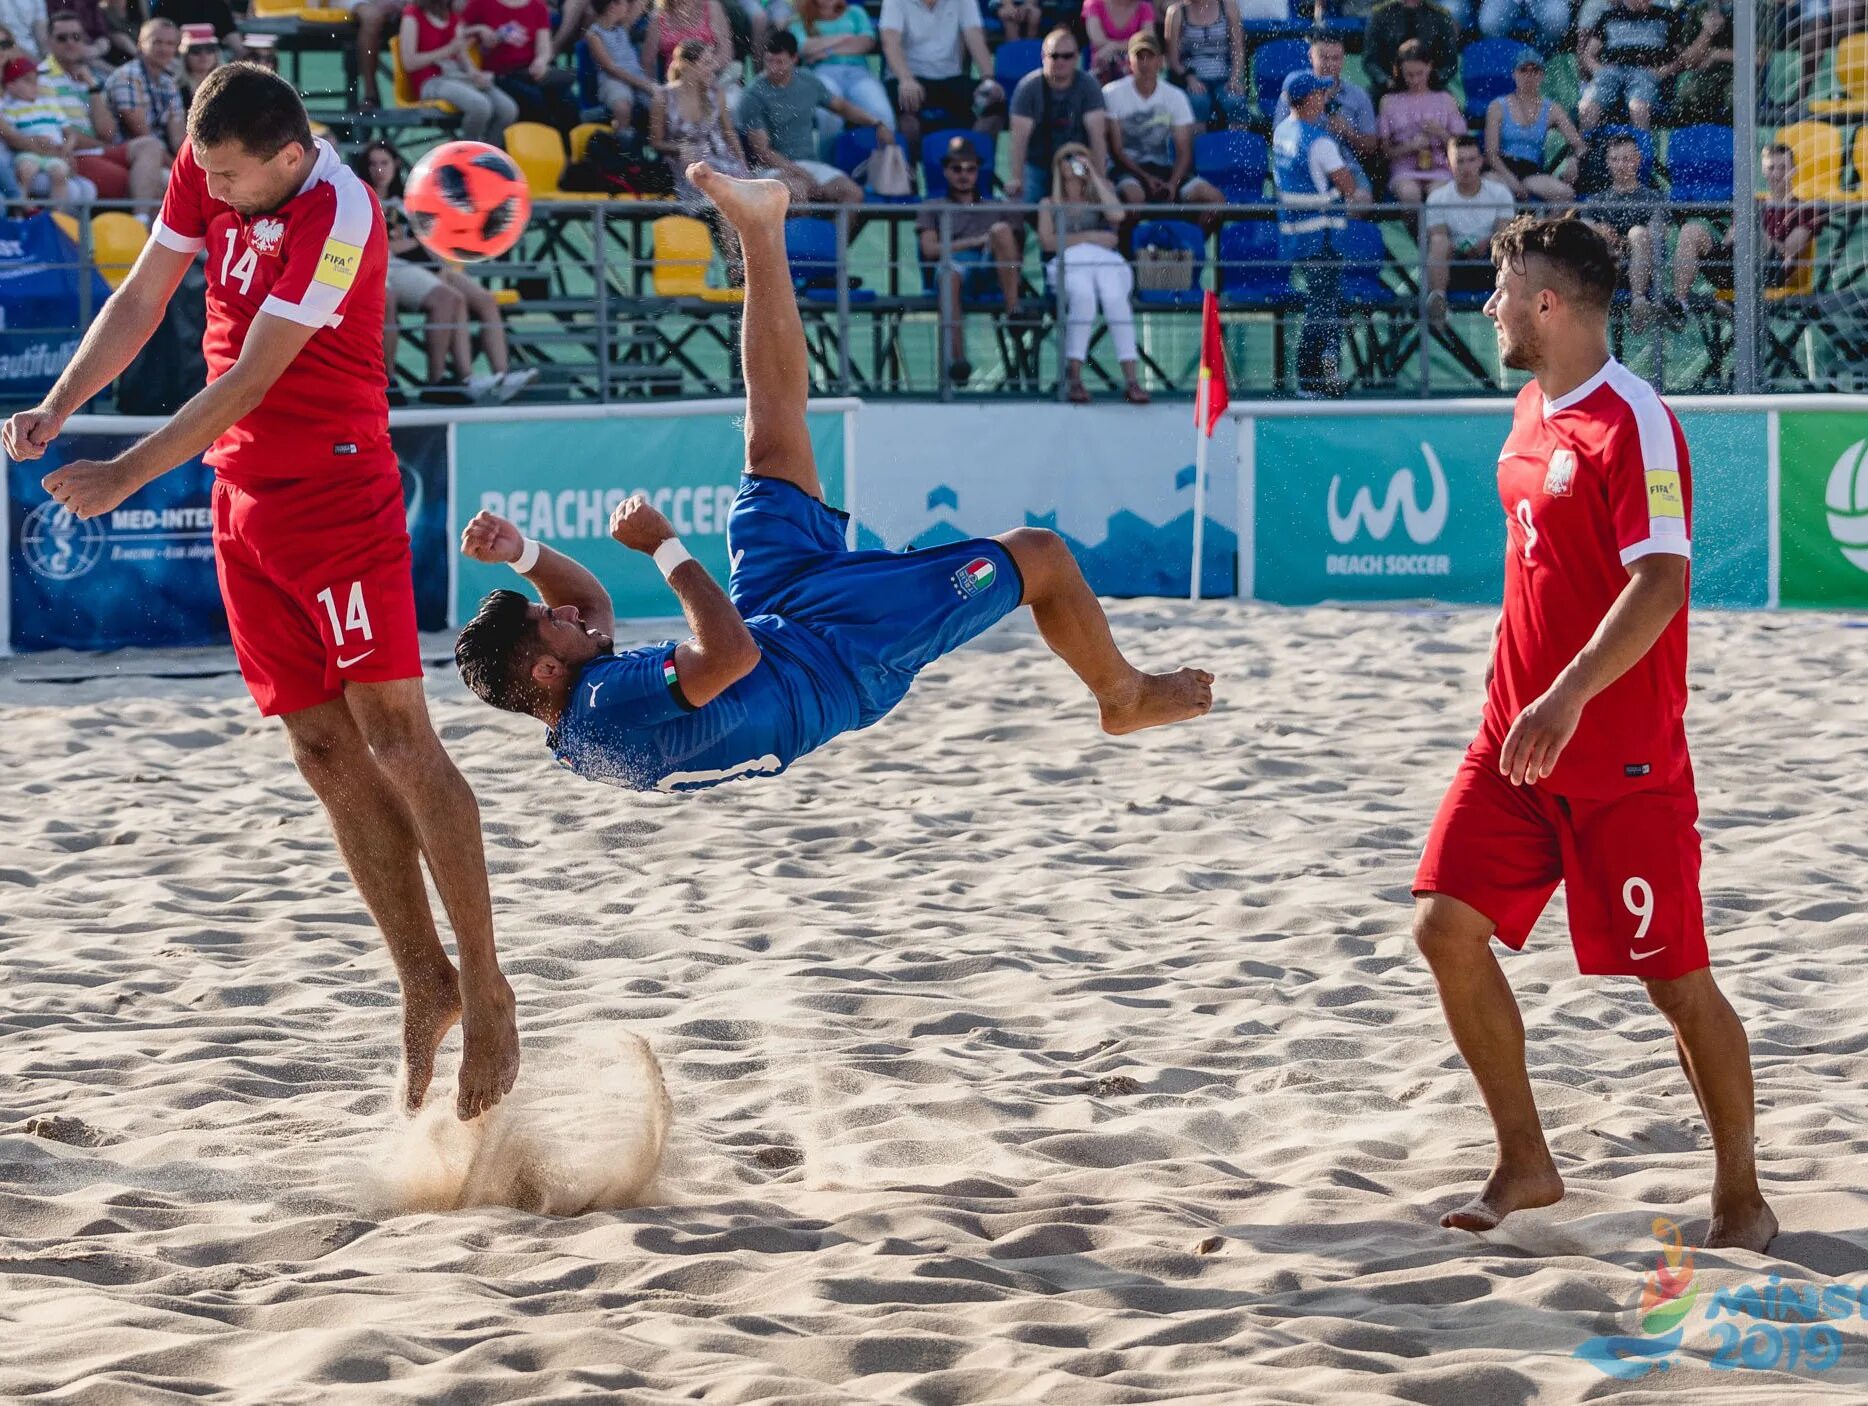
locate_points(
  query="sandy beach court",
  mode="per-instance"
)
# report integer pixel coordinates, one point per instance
(1007, 1061)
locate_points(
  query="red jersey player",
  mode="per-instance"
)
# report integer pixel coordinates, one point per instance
(309, 533)
(1580, 773)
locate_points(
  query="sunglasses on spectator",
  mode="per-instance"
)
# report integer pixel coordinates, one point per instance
(1060, 54)
(962, 168)
(68, 36)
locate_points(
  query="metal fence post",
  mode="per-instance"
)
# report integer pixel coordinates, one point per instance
(1063, 302)
(599, 238)
(949, 311)
(1746, 292)
(1425, 330)
(843, 299)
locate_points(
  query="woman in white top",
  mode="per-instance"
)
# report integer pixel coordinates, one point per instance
(1078, 224)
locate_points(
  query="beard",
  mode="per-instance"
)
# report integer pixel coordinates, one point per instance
(1522, 352)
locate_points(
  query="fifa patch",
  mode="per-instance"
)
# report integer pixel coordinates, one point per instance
(975, 577)
(338, 263)
(1561, 475)
(668, 672)
(1664, 498)
(266, 234)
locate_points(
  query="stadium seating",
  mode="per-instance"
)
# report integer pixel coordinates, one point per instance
(1172, 234)
(1014, 59)
(1851, 61)
(1699, 163)
(811, 248)
(1861, 162)
(1272, 63)
(1364, 257)
(445, 113)
(116, 239)
(1818, 147)
(1485, 72)
(1253, 271)
(682, 254)
(538, 151)
(1599, 138)
(934, 147)
(580, 138)
(1238, 163)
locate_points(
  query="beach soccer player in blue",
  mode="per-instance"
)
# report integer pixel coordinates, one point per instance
(809, 639)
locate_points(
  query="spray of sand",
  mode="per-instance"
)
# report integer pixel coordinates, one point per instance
(583, 1130)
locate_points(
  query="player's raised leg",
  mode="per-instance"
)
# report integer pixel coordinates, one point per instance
(1717, 1059)
(1073, 624)
(772, 348)
(1483, 1016)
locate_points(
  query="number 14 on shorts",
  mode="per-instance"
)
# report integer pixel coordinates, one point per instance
(355, 623)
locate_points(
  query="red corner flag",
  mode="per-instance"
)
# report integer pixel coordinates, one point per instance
(1212, 367)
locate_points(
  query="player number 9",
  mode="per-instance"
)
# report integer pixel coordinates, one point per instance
(1638, 895)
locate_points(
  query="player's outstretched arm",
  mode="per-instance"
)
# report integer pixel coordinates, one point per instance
(722, 651)
(557, 579)
(89, 489)
(127, 320)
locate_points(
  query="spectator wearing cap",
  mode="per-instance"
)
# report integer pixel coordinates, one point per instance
(33, 125)
(188, 15)
(1110, 24)
(201, 55)
(1415, 123)
(144, 96)
(778, 118)
(984, 247)
(1058, 106)
(1205, 45)
(1499, 19)
(1314, 182)
(925, 47)
(136, 168)
(262, 49)
(1348, 112)
(1628, 57)
(1150, 133)
(1517, 128)
(1398, 22)
(1461, 219)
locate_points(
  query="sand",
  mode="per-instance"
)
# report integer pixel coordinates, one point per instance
(1008, 1062)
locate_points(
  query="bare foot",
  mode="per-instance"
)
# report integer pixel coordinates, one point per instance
(489, 1047)
(1747, 1227)
(1508, 1190)
(1152, 700)
(430, 1006)
(743, 202)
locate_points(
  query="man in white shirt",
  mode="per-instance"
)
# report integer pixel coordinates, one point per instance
(1150, 129)
(1461, 217)
(925, 46)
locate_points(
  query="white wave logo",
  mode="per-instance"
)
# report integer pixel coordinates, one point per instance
(1424, 524)
(1847, 501)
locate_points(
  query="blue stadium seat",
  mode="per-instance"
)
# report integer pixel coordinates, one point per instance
(1485, 73)
(1271, 64)
(1291, 23)
(934, 147)
(586, 76)
(1172, 234)
(1253, 272)
(1699, 163)
(811, 249)
(1236, 162)
(1599, 138)
(1365, 255)
(1014, 59)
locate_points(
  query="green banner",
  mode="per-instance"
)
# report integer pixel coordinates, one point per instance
(558, 480)
(1822, 466)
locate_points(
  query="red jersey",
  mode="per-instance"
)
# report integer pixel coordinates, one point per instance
(515, 32)
(1590, 483)
(320, 260)
(430, 34)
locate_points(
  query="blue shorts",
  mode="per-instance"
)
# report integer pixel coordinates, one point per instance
(1614, 88)
(885, 615)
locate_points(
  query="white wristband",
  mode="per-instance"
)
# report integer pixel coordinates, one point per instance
(670, 555)
(528, 557)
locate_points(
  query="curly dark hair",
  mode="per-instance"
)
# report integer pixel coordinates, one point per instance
(495, 652)
(1576, 259)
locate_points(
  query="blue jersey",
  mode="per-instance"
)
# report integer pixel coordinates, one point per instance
(628, 722)
(842, 635)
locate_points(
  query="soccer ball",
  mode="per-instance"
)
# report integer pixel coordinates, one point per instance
(466, 201)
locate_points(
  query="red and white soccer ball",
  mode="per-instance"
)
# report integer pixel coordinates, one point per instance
(467, 201)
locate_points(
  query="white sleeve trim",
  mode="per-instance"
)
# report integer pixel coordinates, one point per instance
(297, 312)
(1655, 546)
(180, 243)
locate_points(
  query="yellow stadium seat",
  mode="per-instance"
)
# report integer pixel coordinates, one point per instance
(1861, 163)
(539, 152)
(116, 240)
(67, 223)
(1851, 78)
(581, 135)
(1818, 148)
(406, 96)
(683, 254)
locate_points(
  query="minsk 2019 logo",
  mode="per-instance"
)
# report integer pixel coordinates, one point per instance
(1778, 1326)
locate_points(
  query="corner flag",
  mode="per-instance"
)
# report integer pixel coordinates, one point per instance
(1210, 406)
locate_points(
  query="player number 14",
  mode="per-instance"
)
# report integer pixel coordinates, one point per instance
(356, 618)
(243, 270)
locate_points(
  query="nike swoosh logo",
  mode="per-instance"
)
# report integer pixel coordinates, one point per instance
(1642, 956)
(738, 557)
(343, 663)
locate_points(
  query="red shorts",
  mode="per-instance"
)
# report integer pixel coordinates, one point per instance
(319, 586)
(1631, 866)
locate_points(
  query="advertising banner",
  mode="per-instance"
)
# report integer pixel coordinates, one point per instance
(1115, 481)
(41, 312)
(1730, 451)
(144, 573)
(558, 481)
(1377, 508)
(1823, 509)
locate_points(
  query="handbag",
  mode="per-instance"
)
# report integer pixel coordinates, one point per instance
(888, 172)
(1163, 270)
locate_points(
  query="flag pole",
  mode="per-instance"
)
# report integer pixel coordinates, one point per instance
(1200, 440)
